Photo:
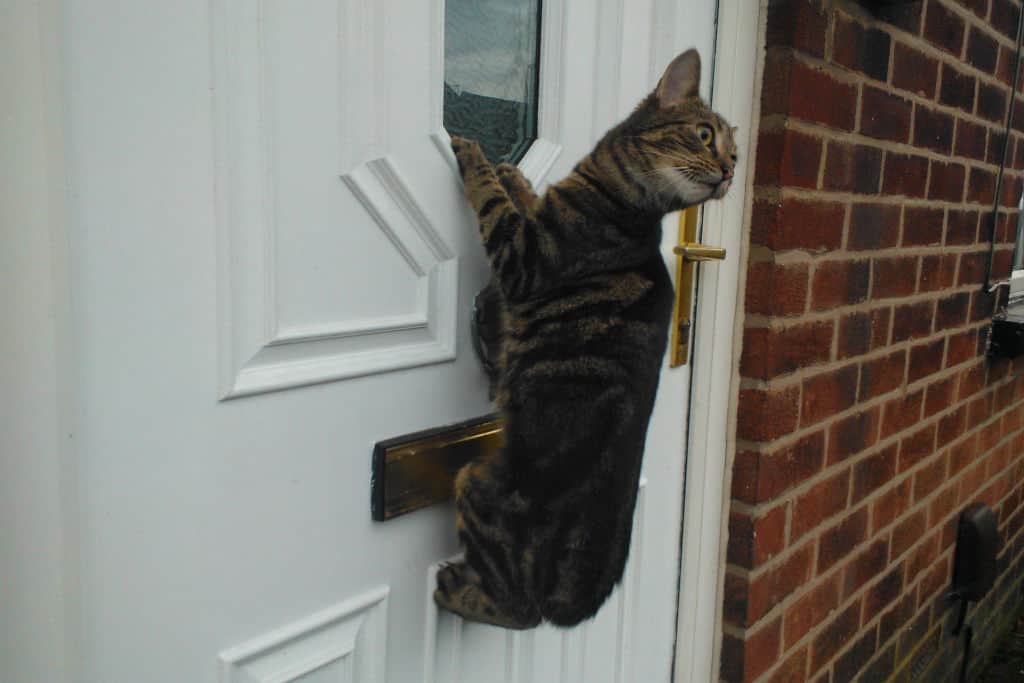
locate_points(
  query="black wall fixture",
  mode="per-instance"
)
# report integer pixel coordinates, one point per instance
(974, 567)
(1007, 337)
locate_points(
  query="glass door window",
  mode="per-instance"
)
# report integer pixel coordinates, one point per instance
(491, 72)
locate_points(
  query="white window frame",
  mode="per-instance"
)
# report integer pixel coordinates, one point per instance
(1017, 276)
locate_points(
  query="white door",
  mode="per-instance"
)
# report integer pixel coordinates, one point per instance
(272, 267)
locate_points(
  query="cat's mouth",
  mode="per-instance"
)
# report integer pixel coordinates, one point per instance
(720, 188)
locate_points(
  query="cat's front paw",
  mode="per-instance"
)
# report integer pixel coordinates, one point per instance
(459, 142)
(466, 152)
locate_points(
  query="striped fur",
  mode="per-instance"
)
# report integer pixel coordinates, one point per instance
(585, 301)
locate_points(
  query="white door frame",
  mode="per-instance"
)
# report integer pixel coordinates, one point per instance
(711, 441)
(38, 502)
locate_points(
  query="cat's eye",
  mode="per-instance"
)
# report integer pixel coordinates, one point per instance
(491, 74)
(705, 134)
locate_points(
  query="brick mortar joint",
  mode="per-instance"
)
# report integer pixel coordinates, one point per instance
(972, 19)
(826, 135)
(820, 196)
(923, 504)
(790, 257)
(797, 377)
(854, 11)
(875, 621)
(938, 621)
(844, 75)
(941, 452)
(835, 570)
(812, 633)
(803, 431)
(829, 471)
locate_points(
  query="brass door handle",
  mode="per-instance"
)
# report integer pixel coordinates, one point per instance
(700, 252)
(688, 254)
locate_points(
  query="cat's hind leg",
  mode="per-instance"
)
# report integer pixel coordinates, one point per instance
(489, 585)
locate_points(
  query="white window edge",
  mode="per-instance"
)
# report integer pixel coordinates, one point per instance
(1017, 284)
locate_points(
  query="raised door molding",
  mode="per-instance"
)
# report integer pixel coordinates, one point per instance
(347, 641)
(258, 354)
(546, 149)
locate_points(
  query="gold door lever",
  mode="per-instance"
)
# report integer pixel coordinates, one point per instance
(700, 252)
(688, 254)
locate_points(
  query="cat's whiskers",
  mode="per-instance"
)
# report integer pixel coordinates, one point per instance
(658, 172)
(681, 183)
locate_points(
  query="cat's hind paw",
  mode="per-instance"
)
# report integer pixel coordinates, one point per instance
(449, 579)
(457, 593)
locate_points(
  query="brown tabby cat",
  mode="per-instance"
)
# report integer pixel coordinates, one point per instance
(546, 521)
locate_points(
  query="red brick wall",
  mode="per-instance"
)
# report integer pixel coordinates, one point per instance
(869, 415)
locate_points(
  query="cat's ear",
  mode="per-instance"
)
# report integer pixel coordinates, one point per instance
(681, 79)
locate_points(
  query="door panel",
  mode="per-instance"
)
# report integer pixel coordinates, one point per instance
(332, 265)
(272, 265)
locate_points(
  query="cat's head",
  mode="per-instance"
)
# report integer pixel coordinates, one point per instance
(685, 152)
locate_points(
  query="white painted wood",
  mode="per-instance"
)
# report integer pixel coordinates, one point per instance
(1017, 275)
(38, 562)
(711, 440)
(608, 66)
(248, 48)
(257, 202)
(551, 107)
(347, 642)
